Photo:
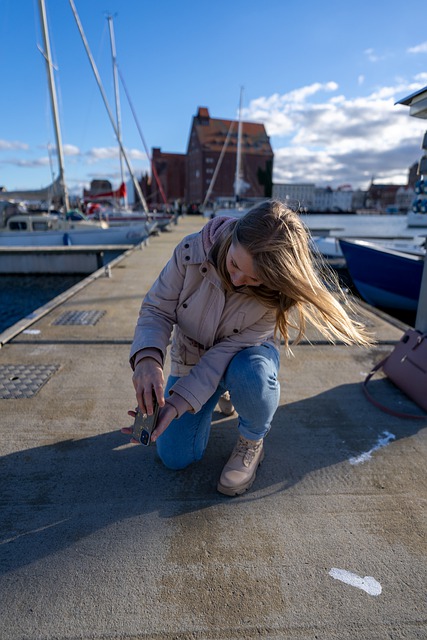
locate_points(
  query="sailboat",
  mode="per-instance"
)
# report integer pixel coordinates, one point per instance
(45, 194)
(45, 229)
(119, 215)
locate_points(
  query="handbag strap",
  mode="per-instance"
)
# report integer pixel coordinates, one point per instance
(392, 412)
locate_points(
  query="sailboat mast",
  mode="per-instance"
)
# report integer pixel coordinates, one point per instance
(217, 168)
(239, 177)
(54, 102)
(107, 106)
(116, 94)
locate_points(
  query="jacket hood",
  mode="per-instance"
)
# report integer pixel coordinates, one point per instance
(214, 228)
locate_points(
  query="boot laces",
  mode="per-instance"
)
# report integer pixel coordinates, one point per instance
(247, 450)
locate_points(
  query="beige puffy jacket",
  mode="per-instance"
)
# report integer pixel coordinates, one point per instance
(209, 324)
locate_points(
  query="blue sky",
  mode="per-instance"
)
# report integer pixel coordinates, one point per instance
(322, 76)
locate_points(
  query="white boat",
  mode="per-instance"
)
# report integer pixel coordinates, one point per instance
(118, 218)
(47, 230)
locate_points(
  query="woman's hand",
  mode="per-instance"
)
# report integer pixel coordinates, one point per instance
(166, 415)
(148, 379)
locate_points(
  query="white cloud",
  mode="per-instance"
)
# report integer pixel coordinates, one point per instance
(275, 111)
(372, 56)
(98, 154)
(71, 150)
(136, 154)
(340, 139)
(420, 48)
(102, 153)
(36, 162)
(6, 145)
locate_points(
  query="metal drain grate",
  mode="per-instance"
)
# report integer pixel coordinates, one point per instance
(24, 380)
(90, 317)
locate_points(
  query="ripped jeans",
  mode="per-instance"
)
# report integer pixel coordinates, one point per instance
(251, 379)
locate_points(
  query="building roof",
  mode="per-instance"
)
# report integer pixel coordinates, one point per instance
(417, 103)
(212, 133)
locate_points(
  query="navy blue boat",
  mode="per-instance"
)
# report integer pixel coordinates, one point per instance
(384, 277)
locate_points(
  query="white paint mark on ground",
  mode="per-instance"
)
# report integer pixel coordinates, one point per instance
(385, 438)
(32, 331)
(368, 583)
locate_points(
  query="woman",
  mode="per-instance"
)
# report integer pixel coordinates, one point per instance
(227, 293)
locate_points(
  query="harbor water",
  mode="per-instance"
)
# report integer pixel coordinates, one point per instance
(20, 295)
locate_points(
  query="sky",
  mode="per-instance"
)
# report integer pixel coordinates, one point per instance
(322, 76)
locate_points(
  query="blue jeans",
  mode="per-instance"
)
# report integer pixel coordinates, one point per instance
(251, 379)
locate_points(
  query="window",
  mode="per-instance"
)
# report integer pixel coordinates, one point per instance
(41, 226)
(17, 225)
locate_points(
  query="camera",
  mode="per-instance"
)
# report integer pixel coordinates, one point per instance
(144, 424)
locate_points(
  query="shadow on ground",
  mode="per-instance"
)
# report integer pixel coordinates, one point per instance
(52, 496)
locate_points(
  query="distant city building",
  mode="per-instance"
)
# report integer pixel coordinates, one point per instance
(358, 200)
(337, 200)
(171, 172)
(306, 196)
(97, 187)
(404, 199)
(297, 196)
(413, 175)
(381, 196)
(206, 142)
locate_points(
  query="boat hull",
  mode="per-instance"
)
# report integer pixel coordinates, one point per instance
(383, 277)
(131, 234)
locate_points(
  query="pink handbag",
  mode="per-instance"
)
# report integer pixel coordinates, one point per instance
(406, 366)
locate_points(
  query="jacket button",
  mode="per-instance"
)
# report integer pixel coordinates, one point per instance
(185, 305)
(204, 269)
(187, 257)
(235, 331)
(186, 246)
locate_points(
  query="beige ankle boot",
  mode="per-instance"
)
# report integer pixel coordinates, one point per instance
(225, 404)
(240, 471)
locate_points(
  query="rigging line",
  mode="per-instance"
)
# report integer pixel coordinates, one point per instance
(90, 96)
(153, 168)
(239, 175)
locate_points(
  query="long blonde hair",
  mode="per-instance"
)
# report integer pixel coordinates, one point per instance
(279, 244)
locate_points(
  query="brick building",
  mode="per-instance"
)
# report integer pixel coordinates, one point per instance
(171, 170)
(381, 196)
(206, 141)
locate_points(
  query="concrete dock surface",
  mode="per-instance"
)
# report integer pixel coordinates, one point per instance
(100, 541)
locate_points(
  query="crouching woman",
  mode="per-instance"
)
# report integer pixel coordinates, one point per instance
(225, 297)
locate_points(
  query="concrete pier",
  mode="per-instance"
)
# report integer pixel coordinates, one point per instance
(82, 259)
(99, 541)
